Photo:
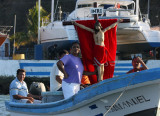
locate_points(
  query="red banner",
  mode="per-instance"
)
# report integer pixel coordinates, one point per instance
(88, 47)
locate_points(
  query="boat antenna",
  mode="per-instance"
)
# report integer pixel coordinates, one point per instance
(148, 8)
(14, 34)
(137, 7)
(52, 11)
(39, 5)
(56, 6)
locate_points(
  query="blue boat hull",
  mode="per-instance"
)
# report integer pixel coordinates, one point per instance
(123, 95)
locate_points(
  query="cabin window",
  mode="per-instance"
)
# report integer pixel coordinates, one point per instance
(84, 5)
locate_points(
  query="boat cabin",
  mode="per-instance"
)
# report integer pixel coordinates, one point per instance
(110, 8)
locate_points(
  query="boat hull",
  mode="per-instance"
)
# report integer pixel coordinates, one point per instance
(133, 34)
(129, 95)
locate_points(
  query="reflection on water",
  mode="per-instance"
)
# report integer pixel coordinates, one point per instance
(3, 111)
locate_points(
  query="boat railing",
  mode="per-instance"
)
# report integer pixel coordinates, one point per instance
(84, 13)
(113, 10)
(57, 17)
(145, 18)
(45, 22)
(60, 17)
(118, 12)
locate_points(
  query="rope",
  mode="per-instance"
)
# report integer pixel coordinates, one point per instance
(118, 97)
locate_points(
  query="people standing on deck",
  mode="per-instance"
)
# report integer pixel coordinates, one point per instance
(100, 51)
(72, 68)
(19, 92)
(136, 63)
(56, 75)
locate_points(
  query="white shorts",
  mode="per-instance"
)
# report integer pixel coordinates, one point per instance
(37, 101)
(70, 89)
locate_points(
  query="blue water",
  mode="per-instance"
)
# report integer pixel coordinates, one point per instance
(3, 111)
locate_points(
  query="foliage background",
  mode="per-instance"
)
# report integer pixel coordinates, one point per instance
(27, 36)
(20, 7)
(8, 8)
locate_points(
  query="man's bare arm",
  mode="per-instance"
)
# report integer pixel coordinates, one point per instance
(58, 79)
(142, 63)
(60, 66)
(83, 27)
(18, 97)
(39, 97)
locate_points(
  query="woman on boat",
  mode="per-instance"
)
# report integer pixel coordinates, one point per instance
(136, 63)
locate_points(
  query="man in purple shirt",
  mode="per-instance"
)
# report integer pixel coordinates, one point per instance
(72, 68)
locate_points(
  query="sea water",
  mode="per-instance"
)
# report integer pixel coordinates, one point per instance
(3, 111)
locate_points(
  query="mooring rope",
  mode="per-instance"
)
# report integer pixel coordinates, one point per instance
(119, 96)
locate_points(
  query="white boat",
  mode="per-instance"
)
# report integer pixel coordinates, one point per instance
(134, 94)
(134, 33)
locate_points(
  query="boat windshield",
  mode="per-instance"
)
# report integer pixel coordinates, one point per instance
(84, 5)
(105, 6)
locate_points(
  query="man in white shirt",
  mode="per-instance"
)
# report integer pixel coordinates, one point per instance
(56, 76)
(19, 91)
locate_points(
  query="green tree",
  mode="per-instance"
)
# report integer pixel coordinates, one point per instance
(32, 22)
(21, 39)
(31, 34)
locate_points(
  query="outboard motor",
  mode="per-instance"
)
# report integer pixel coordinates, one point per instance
(36, 88)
